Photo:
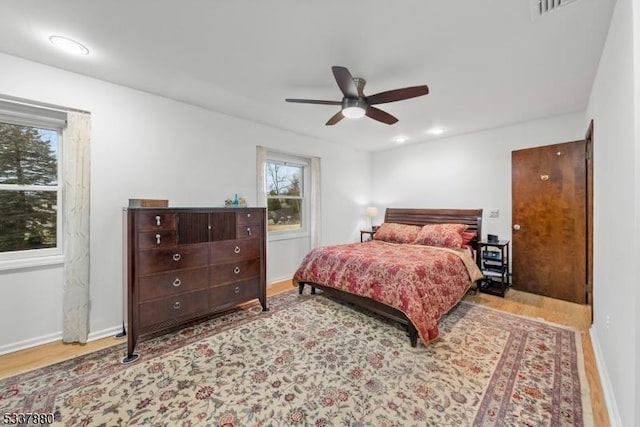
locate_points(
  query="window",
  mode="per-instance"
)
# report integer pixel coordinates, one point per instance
(30, 189)
(286, 179)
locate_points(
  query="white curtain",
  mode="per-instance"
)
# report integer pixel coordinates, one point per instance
(76, 175)
(315, 217)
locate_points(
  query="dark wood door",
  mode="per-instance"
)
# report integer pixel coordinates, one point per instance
(549, 220)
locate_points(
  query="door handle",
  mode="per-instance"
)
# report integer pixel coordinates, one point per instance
(516, 227)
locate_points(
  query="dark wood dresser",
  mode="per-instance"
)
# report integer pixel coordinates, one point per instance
(186, 263)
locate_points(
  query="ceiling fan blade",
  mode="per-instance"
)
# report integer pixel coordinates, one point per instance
(335, 118)
(345, 81)
(313, 101)
(381, 116)
(397, 95)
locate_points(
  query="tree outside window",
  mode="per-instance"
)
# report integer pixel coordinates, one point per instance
(284, 196)
(29, 188)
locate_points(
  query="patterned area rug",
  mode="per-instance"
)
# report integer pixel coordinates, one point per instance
(311, 361)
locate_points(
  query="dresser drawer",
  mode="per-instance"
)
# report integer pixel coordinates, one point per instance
(252, 217)
(173, 308)
(248, 231)
(234, 272)
(228, 251)
(228, 295)
(151, 220)
(156, 239)
(176, 258)
(172, 283)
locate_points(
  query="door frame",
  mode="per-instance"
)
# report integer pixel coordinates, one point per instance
(589, 215)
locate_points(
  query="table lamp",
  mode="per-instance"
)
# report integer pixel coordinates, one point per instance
(371, 212)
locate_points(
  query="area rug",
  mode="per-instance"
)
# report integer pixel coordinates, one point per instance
(312, 361)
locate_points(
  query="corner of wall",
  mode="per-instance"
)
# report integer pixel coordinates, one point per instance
(607, 388)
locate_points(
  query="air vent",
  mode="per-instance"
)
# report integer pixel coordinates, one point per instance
(543, 7)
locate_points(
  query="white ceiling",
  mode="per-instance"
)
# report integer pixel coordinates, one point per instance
(486, 62)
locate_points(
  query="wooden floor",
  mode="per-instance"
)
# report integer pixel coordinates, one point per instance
(556, 311)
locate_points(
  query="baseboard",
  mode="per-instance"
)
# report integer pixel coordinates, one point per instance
(31, 342)
(105, 333)
(275, 280)
(56, 336)
(605, 381)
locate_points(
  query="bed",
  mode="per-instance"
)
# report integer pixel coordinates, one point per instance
(414, 284)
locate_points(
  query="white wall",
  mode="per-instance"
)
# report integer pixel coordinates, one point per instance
(616, 223)
(467, 171)
(144, 146)
(636, 239)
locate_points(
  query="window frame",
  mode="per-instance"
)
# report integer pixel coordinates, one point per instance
(45, 119)
(305, 164)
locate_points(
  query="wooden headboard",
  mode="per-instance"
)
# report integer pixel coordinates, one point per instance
(471, 217)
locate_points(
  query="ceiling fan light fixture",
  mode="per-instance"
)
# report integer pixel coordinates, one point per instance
(354, 102)
(353, 108)
(353, 112)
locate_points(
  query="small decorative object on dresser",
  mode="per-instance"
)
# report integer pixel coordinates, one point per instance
(186, 263)
(148, 203)
(236, 202)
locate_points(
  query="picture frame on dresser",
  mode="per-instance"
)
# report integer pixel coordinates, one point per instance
(184, 264)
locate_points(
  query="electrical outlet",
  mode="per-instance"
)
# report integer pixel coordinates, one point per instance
(494, 213)
(607, 321)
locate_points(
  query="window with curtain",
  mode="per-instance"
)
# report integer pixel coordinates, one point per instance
(30, 181)
(286, 179)
(45, 166)
(288, 185)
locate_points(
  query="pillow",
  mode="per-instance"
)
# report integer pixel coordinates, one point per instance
(467, 237)
(443, 235)
(397, 233)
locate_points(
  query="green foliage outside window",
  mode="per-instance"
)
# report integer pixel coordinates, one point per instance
(284, 196)
(28, 217)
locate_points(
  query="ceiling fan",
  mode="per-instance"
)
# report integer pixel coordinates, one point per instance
(355, 104)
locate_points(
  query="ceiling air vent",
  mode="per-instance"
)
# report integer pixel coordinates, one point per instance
(542, 7)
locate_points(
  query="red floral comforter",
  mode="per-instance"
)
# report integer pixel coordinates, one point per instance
(423, 282)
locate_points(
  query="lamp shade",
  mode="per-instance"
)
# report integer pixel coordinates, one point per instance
(372, 211)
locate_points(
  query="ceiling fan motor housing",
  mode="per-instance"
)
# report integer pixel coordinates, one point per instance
(353, 108)
(359, 82)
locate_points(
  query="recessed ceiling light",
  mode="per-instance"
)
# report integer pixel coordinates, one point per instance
(70, 46)
(400, 139)
(436, 131)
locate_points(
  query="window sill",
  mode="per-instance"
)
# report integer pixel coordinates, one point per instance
(287, 236)
(24, 263)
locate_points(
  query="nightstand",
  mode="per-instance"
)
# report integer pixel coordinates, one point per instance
(494, 258)
(369, 232)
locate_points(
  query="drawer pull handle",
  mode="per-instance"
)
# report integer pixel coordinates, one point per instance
(158, 220)
(157, 239)
(236, 270)
(176, 305)
(237, 249)
(177, 282)
(249, 231)
(248, 215)
(236, 289)
(176, 257)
